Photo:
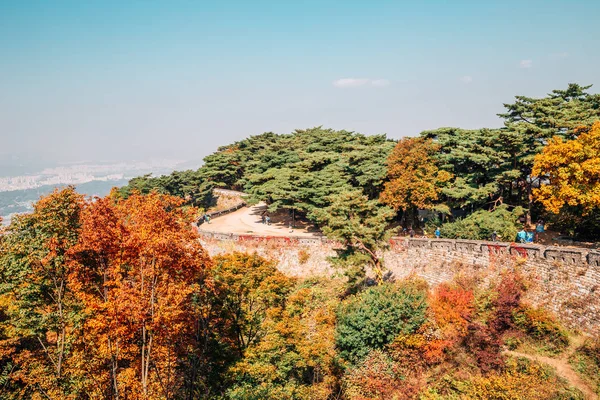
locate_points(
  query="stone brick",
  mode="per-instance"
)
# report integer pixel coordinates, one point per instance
(564, 280)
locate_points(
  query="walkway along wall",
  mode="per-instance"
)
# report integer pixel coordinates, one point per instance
(218, 213)
(564, 280)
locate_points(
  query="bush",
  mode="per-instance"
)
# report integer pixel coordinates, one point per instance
(540, 325)
(303, 256)
(510, 290)
(374, 318)
(522, 379)
(586, 361)
(378, 377)
(452, 307)
(484, 344)
(481, 224)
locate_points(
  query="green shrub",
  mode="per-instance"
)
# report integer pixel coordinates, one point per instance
(373, 318)
(481, 224)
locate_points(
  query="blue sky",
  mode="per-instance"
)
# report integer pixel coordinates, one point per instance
(120, 80)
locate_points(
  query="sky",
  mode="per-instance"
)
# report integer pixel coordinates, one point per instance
(135, 80)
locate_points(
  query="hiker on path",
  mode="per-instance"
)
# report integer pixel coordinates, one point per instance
(494, 236)
(437, 233)
(268, 220)
(411, 233)
(207, 218)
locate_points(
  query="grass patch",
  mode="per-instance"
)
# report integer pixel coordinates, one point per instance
(586, 362)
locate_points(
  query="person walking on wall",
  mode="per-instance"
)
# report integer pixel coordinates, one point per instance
(521, 236)
(530, 237)
(539, 229)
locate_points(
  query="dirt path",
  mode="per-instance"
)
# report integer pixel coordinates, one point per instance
(562, 366)
(248, 220)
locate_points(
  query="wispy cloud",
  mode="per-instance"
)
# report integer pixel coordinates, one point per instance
(466, 79)
(356, 82)
(526, 63)
(564, 54)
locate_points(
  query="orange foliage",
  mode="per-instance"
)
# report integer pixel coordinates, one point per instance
(137, 268)
(452, 308)
(41, 315)
(418, 350)
(413, 177)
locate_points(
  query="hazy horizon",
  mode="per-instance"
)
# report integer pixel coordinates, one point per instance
(174, 80)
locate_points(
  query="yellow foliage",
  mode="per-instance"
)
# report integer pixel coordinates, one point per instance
(297, 353)
(522, 379)
(573, 169)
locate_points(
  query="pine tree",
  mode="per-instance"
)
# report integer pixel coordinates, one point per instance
(361, 225)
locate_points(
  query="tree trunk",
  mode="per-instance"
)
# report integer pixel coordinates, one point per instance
(61, 333)
(377, 264)
(529, 202)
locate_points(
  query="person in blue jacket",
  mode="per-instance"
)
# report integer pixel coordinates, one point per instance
(521, 236)
(529, 237)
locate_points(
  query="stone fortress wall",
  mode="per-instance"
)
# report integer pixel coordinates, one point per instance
(563, 279)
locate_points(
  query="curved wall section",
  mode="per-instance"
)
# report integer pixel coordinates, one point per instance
(563, 279)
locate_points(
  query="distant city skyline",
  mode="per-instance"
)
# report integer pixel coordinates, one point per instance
(142, 80)
(79, 173)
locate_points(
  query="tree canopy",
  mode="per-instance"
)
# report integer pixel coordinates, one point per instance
(115, 298)
(314, 164)
(362, 226)
(413, 177)
(452, 171)
(572, 168)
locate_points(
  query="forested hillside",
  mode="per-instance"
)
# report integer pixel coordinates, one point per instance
(115, 298)
(475, 181)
